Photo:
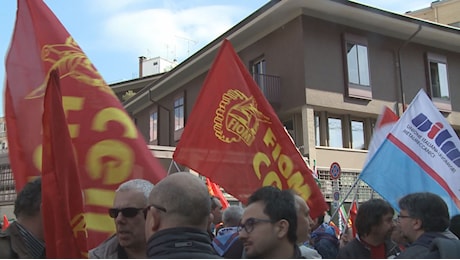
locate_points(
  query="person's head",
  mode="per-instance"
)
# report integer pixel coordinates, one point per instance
(130, 199)
(269, 222)
(232, 216)
(346, 236)
(304, 221)
(29, 200)
(216, 210)
(422, 212)
(27, 207)
(454, 226)
(316, 222)
(179, 200)
(374, 221)
(397, 236)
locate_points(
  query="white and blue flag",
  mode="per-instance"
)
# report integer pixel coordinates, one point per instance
(421, 154)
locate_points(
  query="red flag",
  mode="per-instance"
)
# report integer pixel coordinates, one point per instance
(352, 216)
(234, 137)
(6, 223)
(62, 203)
(109, 148)
(215, 191)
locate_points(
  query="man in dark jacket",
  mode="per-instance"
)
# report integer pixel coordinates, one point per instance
(177, 218)
(374, 225)
(424, 217)
(24, 238)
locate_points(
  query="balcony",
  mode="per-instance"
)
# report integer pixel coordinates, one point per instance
(271, 88)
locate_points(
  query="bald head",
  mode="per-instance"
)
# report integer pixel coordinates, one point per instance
(185, 198)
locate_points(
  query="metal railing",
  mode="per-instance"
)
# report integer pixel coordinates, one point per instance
(7, 186)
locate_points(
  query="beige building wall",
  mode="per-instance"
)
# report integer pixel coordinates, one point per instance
(444, 12)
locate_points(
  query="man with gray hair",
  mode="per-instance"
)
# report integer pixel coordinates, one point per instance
(131, 198)
(227, 243)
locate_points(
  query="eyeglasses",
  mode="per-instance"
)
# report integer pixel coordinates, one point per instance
(146, 209)
(126, 212)
(248, 226)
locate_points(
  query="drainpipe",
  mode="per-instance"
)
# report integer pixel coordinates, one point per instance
(401, 87)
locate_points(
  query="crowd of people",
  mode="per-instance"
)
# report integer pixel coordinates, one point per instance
(177, 218)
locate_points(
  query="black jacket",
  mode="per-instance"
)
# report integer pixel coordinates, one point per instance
(421, 247)
(180, 243)
(356, 249)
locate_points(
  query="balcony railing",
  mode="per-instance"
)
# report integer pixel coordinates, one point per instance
(270, 86)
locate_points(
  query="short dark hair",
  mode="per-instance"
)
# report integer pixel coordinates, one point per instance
(429, 208)
(29, 199)
(454, 226)
(370, 214)
(279, 204)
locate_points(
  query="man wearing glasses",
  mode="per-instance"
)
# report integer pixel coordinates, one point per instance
(177, 218)
(424, 217)
(131, 198)
(269, 224)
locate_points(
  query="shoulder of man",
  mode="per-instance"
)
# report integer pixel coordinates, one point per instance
(5, 245)
(107, 249)
(446, 247)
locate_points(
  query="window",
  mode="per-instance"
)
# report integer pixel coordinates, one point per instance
(357, 66)
(334, 130)
(342, 131)
(357, 134)
(153, 127)
(258, 71)
(317, 131)
(438, 81)
(179, 113)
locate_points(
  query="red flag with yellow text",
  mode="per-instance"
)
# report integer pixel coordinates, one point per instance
(62, 204)
(214, 190)
(109, 148)
(234, 137)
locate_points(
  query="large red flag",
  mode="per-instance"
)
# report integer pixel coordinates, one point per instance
(63, 218)
(234, 137)
(109, 148)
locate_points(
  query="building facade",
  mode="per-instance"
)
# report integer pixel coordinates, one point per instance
(440, 11)
(327, 68)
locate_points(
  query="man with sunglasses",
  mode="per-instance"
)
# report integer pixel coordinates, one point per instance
(130, 199)
(269, 224)
(177, 218)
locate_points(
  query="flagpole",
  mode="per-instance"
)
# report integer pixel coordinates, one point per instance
(346, 196)
(170, 166)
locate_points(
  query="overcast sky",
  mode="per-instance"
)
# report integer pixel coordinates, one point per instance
(114, 33)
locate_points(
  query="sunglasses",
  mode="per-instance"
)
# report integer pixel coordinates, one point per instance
(126, 212)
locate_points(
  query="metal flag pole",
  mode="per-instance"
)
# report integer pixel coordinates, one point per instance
(170, 166)
(346, 196)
